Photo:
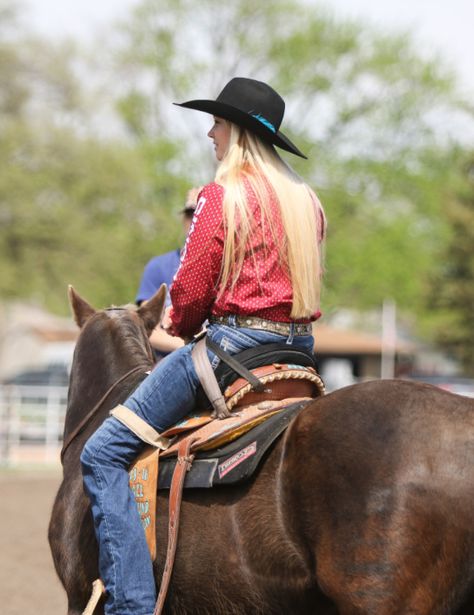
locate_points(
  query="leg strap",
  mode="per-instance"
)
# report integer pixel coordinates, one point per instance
(206, 375)
(140, 427)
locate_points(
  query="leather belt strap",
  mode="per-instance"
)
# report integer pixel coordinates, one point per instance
(140, 427)
(252, 322)
(90, 415)
(185, 460)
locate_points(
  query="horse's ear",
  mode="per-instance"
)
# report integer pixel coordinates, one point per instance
(151, 312)
(80, 308)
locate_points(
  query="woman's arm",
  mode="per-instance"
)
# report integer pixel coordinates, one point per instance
(194, 287)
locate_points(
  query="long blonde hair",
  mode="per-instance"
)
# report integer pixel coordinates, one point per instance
(249, 158)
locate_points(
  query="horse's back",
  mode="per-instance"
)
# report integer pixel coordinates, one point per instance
(385, 470)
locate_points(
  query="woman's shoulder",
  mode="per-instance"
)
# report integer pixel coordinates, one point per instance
(209, 202)
(210, 197)
(213, 189)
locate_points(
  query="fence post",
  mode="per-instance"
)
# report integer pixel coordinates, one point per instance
(4, 444)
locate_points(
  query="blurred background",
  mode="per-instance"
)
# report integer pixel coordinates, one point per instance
(95, 163)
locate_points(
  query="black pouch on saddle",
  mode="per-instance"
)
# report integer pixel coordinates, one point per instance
(264, 354)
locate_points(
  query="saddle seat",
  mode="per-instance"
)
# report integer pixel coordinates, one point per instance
(288, 374)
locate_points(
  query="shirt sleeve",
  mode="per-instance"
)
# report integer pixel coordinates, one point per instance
(194, 287)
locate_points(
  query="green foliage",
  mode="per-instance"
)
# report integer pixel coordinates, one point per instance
(453, 285)
(74, 208)
(73, 211)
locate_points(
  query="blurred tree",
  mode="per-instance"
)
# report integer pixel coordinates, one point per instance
(453, 288)
(14, 90)
(74, 211)
(373, 116)
(74, 208)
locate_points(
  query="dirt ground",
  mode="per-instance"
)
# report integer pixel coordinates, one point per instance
(28, 581)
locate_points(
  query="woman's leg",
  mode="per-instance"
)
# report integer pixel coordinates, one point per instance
(124, 561)
(169, 392)
(164, 397)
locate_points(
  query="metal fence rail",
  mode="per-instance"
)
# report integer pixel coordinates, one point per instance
(31, 424)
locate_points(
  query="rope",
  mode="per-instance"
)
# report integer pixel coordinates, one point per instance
(97, 590)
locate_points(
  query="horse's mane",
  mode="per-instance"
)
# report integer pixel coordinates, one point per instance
(134, 342)
(112, 339)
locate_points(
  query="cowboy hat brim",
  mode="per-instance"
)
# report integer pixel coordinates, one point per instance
(246, 120)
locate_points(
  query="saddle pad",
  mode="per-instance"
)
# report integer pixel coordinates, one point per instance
(234, 462)
(217, 432)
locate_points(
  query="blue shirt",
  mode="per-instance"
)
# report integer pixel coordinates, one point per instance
(159, 270)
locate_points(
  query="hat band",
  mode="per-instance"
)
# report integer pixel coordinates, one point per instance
(265, 122)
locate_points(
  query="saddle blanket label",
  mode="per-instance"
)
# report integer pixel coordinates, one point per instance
(143, 477)
(229, 464)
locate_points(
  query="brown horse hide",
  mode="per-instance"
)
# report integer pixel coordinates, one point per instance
(364, 506)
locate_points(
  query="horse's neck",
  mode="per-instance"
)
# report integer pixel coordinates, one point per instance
(101, 384)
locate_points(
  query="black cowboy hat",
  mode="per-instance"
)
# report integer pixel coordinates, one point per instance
(253, 105)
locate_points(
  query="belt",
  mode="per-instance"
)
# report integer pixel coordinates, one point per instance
(251, 322)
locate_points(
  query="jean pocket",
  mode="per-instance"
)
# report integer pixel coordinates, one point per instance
(230, 340)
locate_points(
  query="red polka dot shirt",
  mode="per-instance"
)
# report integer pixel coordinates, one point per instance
(263, 288)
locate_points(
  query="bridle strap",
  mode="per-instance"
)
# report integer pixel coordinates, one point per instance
(94, 410)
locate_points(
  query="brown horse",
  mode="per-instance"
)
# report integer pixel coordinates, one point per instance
(364, 506)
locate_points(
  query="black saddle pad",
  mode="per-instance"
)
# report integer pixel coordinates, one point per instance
(234, 462)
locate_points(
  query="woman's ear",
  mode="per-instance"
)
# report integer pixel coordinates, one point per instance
(151, 312)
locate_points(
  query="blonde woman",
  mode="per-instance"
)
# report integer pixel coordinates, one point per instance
(251, 267)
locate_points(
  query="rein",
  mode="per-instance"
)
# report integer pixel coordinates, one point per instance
(94, 410)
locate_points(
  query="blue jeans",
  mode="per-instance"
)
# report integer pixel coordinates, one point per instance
(162, 399)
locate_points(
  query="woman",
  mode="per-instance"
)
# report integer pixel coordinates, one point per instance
(251, 267)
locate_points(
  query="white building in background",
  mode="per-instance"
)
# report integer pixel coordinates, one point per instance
(31, 338)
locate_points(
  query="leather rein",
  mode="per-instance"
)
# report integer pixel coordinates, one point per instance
(95, 409)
